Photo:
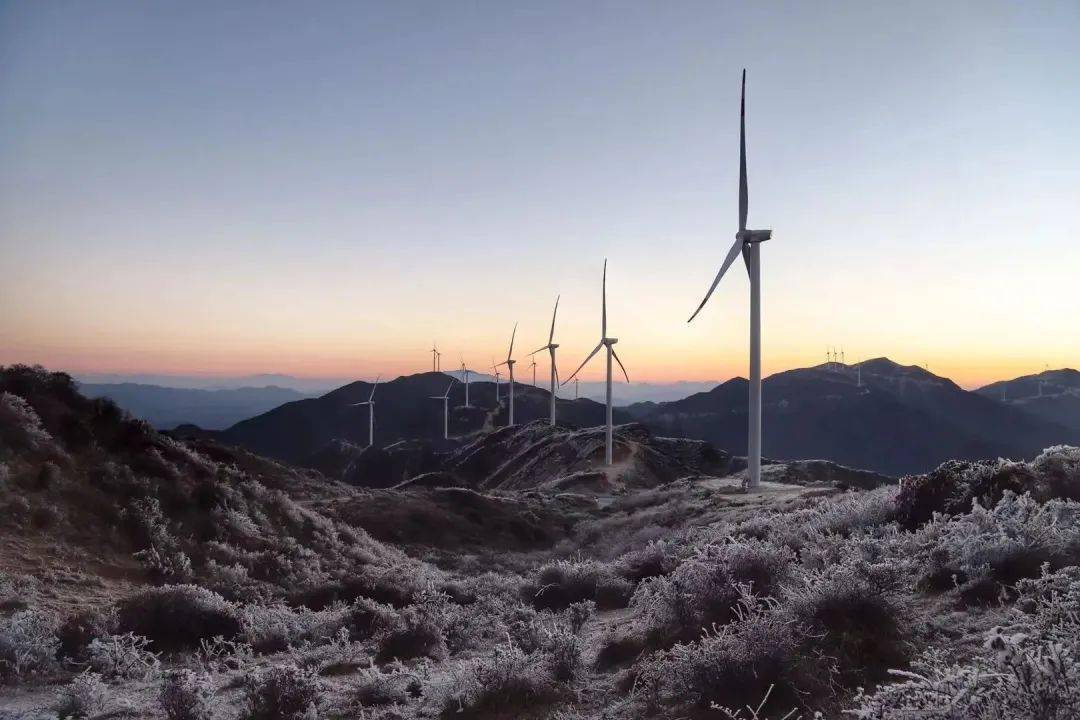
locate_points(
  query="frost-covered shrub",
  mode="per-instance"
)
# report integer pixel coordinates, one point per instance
(561, 648)
(1029, 668)
(28, 642)
(187, 695)
(1058, 472)
(657, 558)
(178, 616)
(988, 550)
(218, 654)
(272, 628)
(77, 631)
(953, 486)
(284, 692)
(562, 582)
(503, 680)
(391, 685)
(579, 613)
(416, 631)
(85, 696)
(852, 617)
(705, 589)
(20, 427)
(122, 656)
(733, 665)
(161, 554)
(17, 590)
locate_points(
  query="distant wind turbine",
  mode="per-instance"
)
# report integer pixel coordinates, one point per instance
(465, 375)
(370, 402)
(509, 362)
(445, 397)
(436, 357)
(497, 376)
(550, 347)
(576, 381)
(533, 366)
(609, 343)
(747, 244)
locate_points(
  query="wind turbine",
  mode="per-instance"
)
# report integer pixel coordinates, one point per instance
(497, 376)
(436, 358)
(747, 244)
(576, 381)
(533, 366)
(445, 397)
(550, 347)
(465, 375)
(370, 402)
(509, 362)
(609, 343)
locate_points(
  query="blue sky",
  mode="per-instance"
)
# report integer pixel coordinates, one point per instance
(324, 188)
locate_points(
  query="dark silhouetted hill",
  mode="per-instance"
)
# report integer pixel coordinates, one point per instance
(1053, 395)
(297, 431)
(902, 419)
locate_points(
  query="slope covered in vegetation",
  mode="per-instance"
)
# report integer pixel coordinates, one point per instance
(145, 577)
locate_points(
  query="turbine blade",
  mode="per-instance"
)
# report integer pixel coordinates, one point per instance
(551, 335)
(536, 351)
(555, 367)
(366, 402)
(744, 192)
(512, 335)
(746, 257)
(732, 254)
(603, 304)
(616, 356)
(583, 364)
(372, 395)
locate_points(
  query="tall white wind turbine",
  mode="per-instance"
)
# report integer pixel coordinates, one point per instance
(509, 362)
(550, 347)
(747, 244)
(370, 402)
(609, 343)
(445, 397)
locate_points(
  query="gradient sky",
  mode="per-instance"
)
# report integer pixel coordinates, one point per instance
(324, 188)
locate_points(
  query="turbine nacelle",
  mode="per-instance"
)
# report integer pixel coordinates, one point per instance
(753, 236)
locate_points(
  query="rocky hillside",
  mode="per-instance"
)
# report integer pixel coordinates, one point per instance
(145, 577)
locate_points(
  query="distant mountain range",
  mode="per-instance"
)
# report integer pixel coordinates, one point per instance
(167, 407)
(876, 415)
(297, 431)
(306, 386)
(1053, 395)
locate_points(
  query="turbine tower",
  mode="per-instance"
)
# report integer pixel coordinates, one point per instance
(509, 362)
(445, 397)
(550, 347)
(576, 382)
(436, 358)
(747, 244)
(465, 376)
(609, 343)
(370, 402)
